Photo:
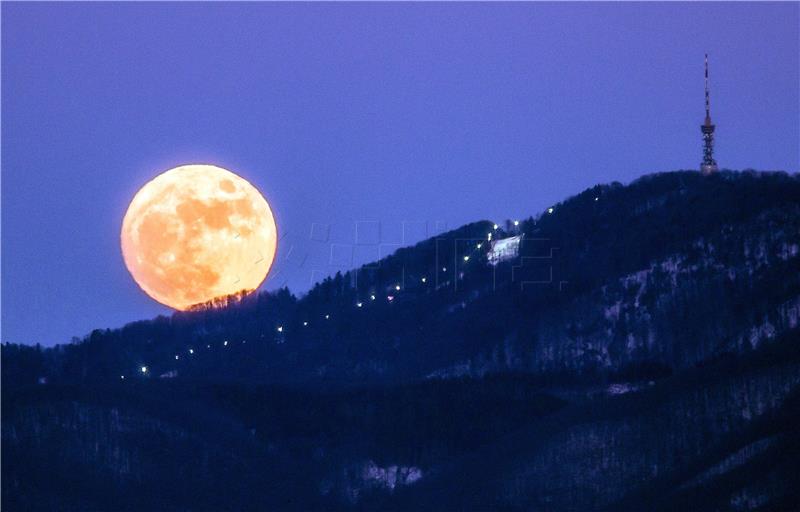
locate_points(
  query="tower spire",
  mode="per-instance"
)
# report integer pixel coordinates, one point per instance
(708, 101)
(709, 165)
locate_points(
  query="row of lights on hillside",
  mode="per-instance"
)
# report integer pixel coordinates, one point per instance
(359, 304)
(397, 287)
(144, 369)
(280, 329)
(372, 297)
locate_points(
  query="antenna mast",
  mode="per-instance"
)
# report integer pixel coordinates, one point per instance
(709, 165)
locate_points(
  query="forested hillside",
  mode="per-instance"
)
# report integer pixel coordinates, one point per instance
(640, 353)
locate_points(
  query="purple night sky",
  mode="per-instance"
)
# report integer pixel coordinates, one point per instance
(415, 116)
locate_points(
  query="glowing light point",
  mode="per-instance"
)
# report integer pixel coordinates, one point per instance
(550, 210)
(495, 226)
(516, 223)
(327, 317)
(424, 279)
(305, 324)
(397, 287)
(144, 369)
(122, 377)
(596, 198)
(371, 297)
(177, 357)
(390, 298)
(191, 351)
(466, 258)
(280, 328)
(444, 269)
(225, 343)
(359, 304)
(479, 246)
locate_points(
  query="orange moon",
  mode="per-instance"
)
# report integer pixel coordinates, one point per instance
(198, 232)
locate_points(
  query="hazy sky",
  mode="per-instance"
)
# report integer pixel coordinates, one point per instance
(414, 116)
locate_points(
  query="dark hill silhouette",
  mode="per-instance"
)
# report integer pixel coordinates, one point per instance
(480, 387)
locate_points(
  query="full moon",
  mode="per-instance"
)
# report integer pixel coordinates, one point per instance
(198, 232)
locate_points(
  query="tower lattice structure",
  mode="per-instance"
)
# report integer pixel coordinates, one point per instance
(709, 165)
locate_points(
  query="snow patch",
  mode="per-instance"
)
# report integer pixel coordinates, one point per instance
(390, 477)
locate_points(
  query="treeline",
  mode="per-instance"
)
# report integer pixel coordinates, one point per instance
(359, 327)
